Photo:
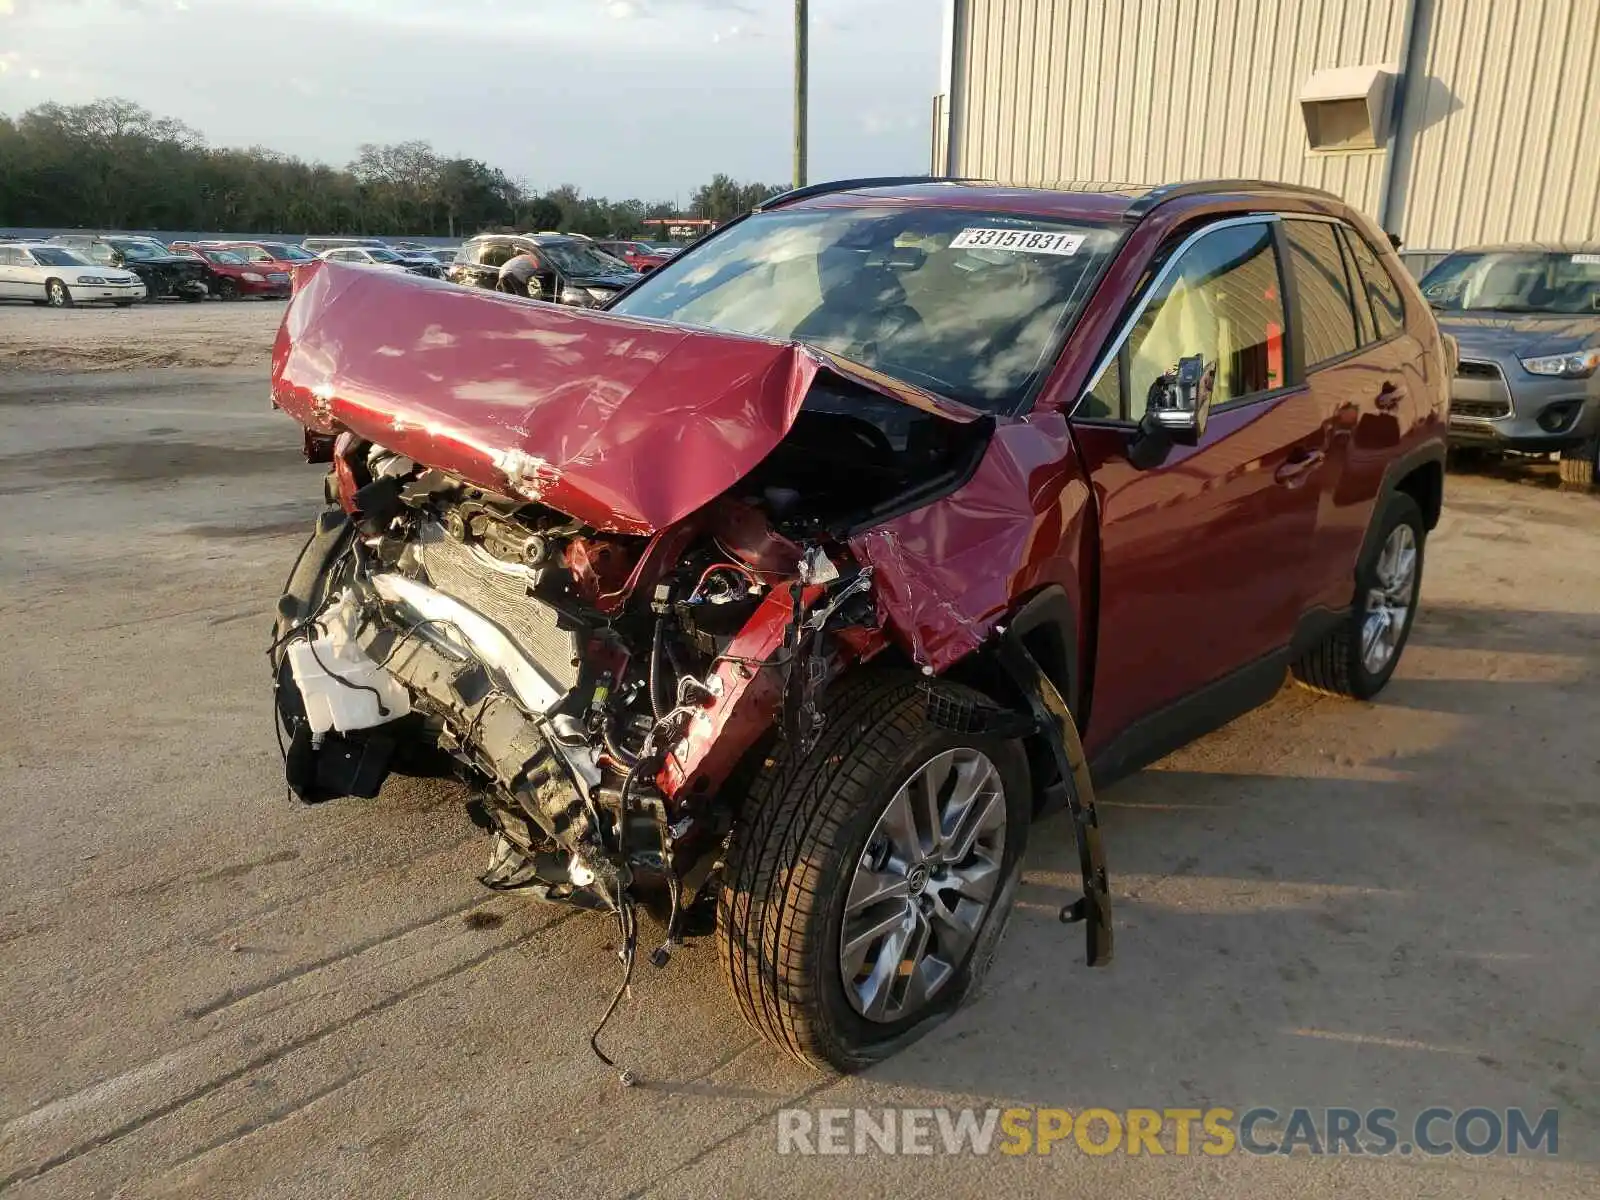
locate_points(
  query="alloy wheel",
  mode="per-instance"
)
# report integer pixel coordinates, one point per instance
(57, 294)
(1389, 599)
(924, 885)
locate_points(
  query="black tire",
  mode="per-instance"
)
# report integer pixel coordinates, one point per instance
(193, 297)
(793, 854)
(1581, 464)
(1335, 667)
(227, 289)
(57, 294)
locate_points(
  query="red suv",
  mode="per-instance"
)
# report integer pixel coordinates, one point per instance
(795, 585)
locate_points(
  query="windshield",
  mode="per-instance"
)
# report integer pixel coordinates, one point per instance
(49, 256)
(284, 253)
(580, 258)
(229, 257)
(379, 255)
(1518, 281)
(139, 250)
(968, 304)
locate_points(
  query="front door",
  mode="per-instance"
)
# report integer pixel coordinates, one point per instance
(1203, 556)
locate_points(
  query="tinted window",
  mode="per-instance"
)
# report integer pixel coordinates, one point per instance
(1221, 301)
(1387, 308)
(1327, 319)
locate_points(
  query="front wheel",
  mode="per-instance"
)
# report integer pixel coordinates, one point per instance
(1360, 655)
(228, 290)
(1580, 465)
(57, 294)
(869, 879)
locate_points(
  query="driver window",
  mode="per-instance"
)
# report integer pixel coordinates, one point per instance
(1222, 301)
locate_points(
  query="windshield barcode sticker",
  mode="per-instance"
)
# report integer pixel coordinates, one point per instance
(1592, 260)
(1025, 240)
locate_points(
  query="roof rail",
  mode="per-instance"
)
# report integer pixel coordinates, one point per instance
(1141, 207)
(846, 185)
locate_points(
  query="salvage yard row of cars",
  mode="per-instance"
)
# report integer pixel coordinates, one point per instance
(122, 269)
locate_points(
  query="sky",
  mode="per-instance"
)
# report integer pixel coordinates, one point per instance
(623, 98)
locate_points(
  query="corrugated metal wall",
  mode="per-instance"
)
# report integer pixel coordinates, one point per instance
(1501, 135)
(1157, 90)
(1497, 142)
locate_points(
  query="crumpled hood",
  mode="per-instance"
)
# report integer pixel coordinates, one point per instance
(1521, 335)
(627, 425)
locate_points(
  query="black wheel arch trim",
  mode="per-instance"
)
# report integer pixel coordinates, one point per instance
(1431, 453)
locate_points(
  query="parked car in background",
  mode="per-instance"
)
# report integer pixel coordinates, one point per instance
(443, 255)
(421, 262)
(641, 256)
(268, 255)
(230, 276)
(554, 267)
(1527, 320)
(163, 273)
(797, 583)
(382, 256)
(59, 277)
(316, 245)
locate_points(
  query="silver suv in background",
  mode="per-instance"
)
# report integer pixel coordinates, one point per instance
(1527, 320)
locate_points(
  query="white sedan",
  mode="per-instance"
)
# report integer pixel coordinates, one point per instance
(56, 276)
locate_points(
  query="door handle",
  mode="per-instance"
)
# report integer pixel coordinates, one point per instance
(1298, 467)
(1389, 397)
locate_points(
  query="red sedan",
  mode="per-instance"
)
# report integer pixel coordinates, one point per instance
(230, 275)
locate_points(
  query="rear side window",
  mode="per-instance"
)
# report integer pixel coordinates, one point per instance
(1383, 294)
(1327, 317)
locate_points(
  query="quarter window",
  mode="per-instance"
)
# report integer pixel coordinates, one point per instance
(1223, 302)
(1388, 311)
(1327, 317)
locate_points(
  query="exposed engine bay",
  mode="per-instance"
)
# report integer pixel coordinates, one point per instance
(600, 688)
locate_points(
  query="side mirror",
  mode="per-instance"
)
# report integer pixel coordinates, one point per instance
(1175, 411)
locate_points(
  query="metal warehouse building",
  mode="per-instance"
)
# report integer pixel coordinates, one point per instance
(1452, 121)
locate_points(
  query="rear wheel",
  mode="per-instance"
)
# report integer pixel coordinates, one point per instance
(1358, 657)
(57, 294)
(1581, 464)
(869, 882)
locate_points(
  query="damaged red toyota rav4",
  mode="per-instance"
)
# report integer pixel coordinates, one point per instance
(789, 589)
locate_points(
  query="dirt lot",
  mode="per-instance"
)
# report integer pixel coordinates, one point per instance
(210, 990)
(164, 334)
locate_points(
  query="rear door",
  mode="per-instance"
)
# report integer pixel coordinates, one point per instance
(12, 271)
(1346, 374)
(1203, 558)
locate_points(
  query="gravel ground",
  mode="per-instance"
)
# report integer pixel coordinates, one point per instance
(162, 334)
(210, 990)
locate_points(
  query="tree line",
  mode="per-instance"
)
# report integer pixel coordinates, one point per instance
(113, 164)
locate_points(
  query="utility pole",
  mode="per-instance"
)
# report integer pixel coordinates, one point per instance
(802, 23)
